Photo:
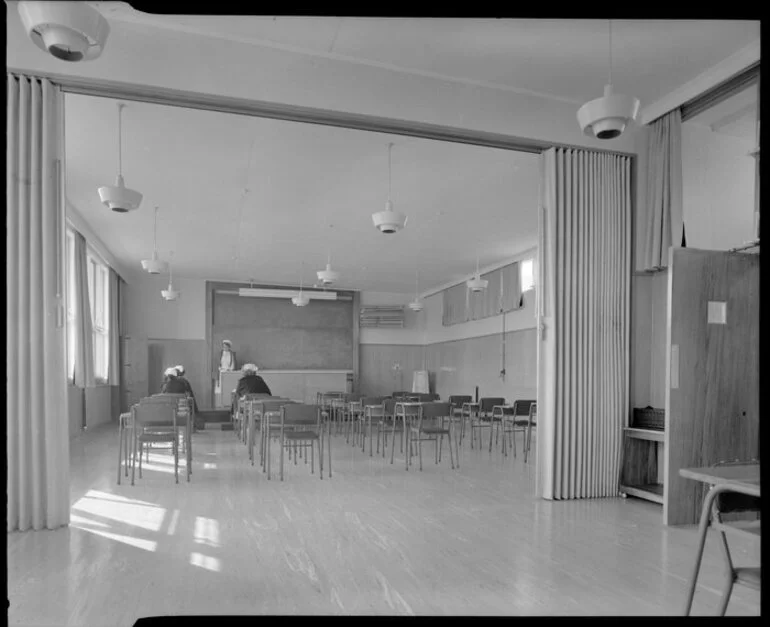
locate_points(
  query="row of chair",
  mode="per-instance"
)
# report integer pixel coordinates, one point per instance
(489, 412)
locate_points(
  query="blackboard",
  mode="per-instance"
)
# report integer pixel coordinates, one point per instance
(276, 335)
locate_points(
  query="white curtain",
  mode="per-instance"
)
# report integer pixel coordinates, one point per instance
(664, 189)
(37, 444)
(113, 373)
(583, 310)
(84, 330)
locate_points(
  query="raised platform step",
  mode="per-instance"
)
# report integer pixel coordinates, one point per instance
(218, 426)
(213, 415)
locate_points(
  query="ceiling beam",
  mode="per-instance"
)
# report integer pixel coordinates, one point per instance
(732, 65)
(294, 113)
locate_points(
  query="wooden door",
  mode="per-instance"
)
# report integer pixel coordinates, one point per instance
(134, 369)
(712, 395)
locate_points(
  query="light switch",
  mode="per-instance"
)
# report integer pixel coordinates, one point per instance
(717, 312)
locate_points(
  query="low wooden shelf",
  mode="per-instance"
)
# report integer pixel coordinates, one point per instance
(639, 476)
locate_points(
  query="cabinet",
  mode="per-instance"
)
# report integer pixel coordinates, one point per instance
(640, 470)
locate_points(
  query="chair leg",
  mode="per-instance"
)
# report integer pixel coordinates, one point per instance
(176, 459)
(133, 462)
(329, 446)
(449, 444)
(726, 592)
(120, 450)
(282, 443)
(419, 450)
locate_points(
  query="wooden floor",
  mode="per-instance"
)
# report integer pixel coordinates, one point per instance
(375, 539)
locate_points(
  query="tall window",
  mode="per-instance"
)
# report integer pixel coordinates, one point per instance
(527, 274)
(71, 328)
(99, 298)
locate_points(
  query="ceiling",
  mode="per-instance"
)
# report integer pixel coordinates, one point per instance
(735, 116)
(563, 59)
(244, 197)
(311, 190)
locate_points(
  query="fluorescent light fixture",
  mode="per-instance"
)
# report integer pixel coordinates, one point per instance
(256, 292)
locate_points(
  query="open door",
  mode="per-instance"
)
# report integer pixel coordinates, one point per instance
(712, 391)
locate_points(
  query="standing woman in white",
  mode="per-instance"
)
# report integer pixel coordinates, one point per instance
(227, 359)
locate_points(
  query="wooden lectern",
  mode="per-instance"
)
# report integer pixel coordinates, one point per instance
(228, 381)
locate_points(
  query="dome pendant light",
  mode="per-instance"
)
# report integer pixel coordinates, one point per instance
(607, 117)
(300, 300)
(416, 305)
(118, 197)
(477, 284)
(389, 221)
(170, 293)
(328, 276)
(155, 265)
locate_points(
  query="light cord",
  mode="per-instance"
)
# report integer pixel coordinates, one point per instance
(120, 138)
(155, 237)
(390, 150)
(610, 29)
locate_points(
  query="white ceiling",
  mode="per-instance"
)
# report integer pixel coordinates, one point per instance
(564, 59)
(311, 192)
(300, 178)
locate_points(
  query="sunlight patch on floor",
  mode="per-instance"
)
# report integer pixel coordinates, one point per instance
(205, 561)
(125, 512)
(206, 531)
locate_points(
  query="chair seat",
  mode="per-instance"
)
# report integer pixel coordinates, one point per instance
(435, 431)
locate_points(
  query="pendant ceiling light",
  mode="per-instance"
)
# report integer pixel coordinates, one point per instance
(477, 284)
(155, 265)
(607, 117)
(170, 293)
(118, 197)
(389, 221)
(300, 300)
(328, 276)
(416, 304)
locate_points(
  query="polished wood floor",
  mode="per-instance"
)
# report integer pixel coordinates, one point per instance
(375, 539)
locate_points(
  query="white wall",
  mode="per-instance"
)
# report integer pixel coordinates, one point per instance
(717, 188)
(148, 315)
(413, 331)
(514, 320)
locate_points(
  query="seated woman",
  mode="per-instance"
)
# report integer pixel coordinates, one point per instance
(249, 383)
(172, 383)
(188, 388)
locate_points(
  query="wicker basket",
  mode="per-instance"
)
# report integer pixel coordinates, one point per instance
(649, 418)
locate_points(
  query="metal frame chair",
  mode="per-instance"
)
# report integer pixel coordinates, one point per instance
(430, 428)
(300, 426)
(726, 501)
(155, 422)
(405, 411)
(484, 417)
(181, 404)
(270, 426)
(512, 421)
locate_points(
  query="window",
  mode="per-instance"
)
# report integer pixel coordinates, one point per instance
(71, 328)
(99, 298)
(527, 274)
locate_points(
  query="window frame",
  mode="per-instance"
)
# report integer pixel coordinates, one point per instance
(99, 301)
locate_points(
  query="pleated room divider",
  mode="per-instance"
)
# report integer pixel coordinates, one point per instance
(583, 321)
